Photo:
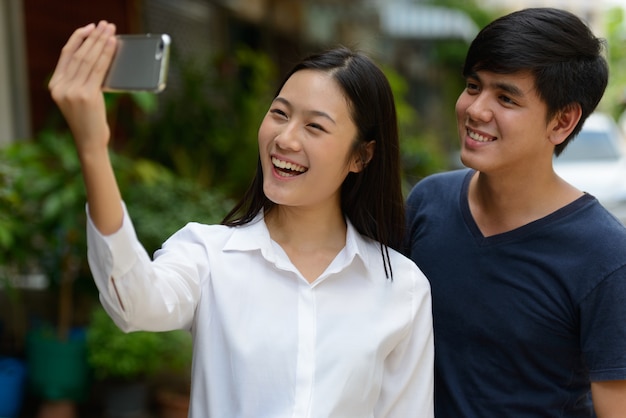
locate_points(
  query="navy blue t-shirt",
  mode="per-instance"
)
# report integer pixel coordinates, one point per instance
(523, 320)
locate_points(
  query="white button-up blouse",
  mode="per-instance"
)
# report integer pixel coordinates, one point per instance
(267, 343)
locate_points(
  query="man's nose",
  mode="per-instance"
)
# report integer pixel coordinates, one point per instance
(480, 109)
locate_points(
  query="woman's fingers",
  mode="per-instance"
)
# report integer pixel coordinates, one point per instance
(103, 61)
(73, 43)
(85, 58)
(83, 63)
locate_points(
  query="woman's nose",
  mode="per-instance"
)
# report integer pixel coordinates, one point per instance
(288, 138)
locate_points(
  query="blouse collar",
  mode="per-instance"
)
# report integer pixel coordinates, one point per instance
(255, 236)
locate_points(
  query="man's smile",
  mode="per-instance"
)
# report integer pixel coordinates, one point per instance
(480, 137)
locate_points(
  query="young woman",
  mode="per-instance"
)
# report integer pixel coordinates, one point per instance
(299, 304)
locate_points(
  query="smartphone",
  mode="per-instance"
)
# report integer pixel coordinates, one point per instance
(140, 64)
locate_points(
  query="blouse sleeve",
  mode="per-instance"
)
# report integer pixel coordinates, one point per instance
(407, 387)
(141, 294)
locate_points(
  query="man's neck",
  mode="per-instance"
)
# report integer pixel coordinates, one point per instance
(499, 204)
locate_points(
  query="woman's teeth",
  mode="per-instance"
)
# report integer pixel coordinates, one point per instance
(286, 168)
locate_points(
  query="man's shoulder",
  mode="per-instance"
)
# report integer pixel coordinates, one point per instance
(598, 222)
(452, 176)
(445, 180)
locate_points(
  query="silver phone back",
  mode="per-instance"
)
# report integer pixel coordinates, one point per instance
(140, 63)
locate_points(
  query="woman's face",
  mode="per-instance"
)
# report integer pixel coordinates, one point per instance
(306, 142)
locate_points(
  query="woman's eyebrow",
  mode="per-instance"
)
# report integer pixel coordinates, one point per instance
(312, 112)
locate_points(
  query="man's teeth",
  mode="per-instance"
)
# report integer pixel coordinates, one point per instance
(285, 165)
(477, 137)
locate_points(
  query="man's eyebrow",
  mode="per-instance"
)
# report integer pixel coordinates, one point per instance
(512, 89)
(313, 112)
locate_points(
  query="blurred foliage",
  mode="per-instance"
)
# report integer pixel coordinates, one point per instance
(614, 101)
(422, 151)
(42, 211)
(206, 128)
(113, 354)
(43, 219)
(160, 202)
(41, 188)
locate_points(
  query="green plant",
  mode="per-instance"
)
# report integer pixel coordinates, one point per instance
(116, 355)
(614, 100)
(161, 202)
(42, 231)
(174, 375)
(176, 347)
(423, 153)
(206, 129)
(113, 354)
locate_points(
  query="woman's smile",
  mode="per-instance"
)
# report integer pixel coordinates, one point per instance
(286, 168)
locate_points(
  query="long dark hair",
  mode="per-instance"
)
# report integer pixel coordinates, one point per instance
(372, 198)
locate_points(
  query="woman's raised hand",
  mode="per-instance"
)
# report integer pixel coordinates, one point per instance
(76, 85)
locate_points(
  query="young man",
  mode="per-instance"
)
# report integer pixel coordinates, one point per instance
(528, 273)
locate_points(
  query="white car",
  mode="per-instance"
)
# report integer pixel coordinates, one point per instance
(595, 162)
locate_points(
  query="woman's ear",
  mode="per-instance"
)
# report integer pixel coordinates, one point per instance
(363, 157)
(564, 123)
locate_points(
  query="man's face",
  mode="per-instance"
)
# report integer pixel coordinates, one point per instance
(502, 123)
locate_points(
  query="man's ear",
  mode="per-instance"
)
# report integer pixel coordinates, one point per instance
(564, 123)
(363, 157)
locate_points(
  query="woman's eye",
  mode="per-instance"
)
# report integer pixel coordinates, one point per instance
(278, 112)
(317, 126)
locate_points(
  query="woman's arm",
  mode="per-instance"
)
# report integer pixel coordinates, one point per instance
(76, 87)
